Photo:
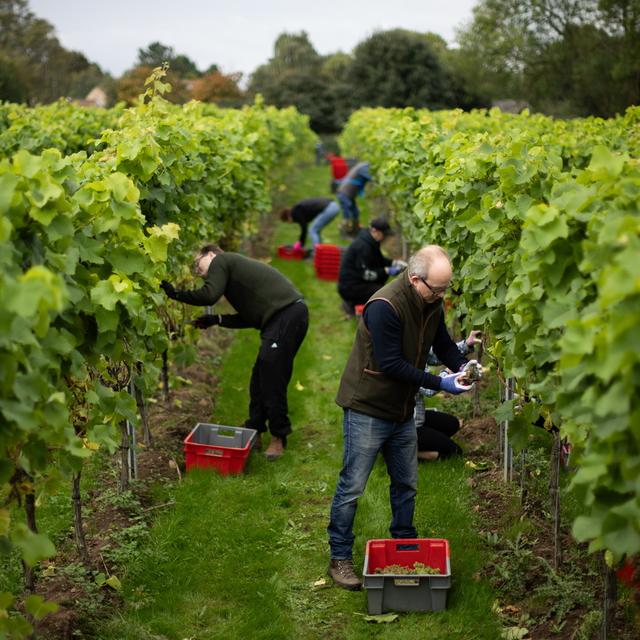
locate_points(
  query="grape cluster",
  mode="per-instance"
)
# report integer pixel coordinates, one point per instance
(418, 568)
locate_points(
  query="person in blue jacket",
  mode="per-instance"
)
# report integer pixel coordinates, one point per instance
(353, 185)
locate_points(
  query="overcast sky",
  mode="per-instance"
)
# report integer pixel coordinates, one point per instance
(237, 35)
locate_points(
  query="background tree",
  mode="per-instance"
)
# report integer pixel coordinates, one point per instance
(131, 85)
(335, 70)
(398, 68)
(293, 76)
(44, 69)
(219, 88)
(157, 53)
(13, 84)
(566, 57)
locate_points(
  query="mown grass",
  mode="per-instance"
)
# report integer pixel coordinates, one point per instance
(245, 557)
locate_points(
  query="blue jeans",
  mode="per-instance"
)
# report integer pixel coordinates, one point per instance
(350, 209)
(322, 220)
(364, 436)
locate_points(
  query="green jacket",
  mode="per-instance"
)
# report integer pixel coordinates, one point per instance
(366, 389)
(255, 290)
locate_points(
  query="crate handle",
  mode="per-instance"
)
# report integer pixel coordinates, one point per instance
(213, 452)
(406, 582)
(226, 433)
(407, 547)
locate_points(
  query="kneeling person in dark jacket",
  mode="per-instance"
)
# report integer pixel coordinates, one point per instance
(265, 300)
(364, 269)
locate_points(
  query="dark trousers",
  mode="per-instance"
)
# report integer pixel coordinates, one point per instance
(359, 293)
(280, 340)
(435, 434)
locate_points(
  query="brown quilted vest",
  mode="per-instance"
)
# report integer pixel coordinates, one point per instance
(363, 387)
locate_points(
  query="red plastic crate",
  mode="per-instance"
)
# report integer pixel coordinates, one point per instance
(289, 252)
(407, 592)
(225, 449)
(326, 261)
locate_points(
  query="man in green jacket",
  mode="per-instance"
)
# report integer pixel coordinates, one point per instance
(265, 300)
(400, 323)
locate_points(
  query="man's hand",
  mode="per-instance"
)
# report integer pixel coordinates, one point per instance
(452, 383)
(475, 337)
(206, 321)
(169, 289)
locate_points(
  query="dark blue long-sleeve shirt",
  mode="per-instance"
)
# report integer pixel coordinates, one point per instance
(385, 329)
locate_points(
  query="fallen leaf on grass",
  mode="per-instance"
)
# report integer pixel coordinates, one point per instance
(299, 387)
(114, 583)
(319, 584)
(327, 357)
(384, 618)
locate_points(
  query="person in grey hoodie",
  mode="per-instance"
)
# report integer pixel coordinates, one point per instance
(351, 186)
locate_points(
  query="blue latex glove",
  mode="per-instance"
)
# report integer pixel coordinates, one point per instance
(393, 271)
(450, 384)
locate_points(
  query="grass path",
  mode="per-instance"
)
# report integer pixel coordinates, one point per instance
(237, 557)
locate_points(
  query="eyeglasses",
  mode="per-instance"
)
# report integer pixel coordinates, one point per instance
(435, 290)
(196, 263)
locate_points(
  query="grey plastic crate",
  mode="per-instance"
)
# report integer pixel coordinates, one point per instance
(221, 436)
(223, 448)
(406, 592)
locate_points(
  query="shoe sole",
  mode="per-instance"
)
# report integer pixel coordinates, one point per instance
(355, 587)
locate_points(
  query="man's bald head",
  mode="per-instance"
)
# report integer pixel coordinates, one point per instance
(430, 271)
(429, 258)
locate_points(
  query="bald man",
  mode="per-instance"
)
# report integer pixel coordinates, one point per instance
(401, 322)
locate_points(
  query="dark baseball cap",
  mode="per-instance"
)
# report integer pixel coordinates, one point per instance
(381, 225)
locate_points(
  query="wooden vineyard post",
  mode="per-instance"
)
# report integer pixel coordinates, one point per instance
(30, 512)
(506, 450)
(523, 475)
(128, 459)
(142, 411)
(165, 376)
(78, 525)
(123, 483)
(610, 595)
(554, 494)
(476, 387)
(132, 458)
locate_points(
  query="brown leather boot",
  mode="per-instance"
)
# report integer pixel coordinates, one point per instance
(275, 449)
(342, 573)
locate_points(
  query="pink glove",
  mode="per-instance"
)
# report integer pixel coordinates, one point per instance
(297, 246)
